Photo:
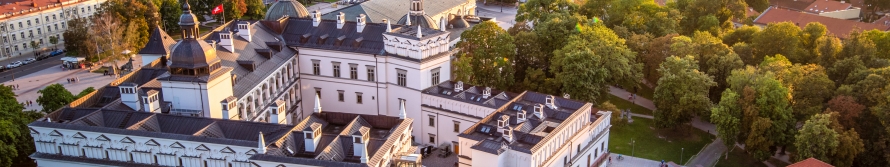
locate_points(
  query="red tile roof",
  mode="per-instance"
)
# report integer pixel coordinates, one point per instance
(883, 20)
(13, 8)
(810, 162)
(798, 5)
(820, 6)
(839, 27)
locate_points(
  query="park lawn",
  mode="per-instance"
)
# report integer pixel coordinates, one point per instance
(644, 91)
(657, 144)
(738, 158)
(624, 104)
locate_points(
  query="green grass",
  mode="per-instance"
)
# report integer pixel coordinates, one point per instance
(738, 158)
(657, 144)
(643, 91)
(100, 70)
(624, 104)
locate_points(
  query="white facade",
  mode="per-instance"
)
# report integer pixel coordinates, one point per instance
(38, 23)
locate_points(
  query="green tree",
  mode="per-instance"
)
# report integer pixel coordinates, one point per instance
(779, 38)
(848, 109)
(652, 53)
(537, 11)
(849, 146)
(79, 42)
(773, 103)
(255, 9)
(727, 116)
(681, 93)
(743, 34)
(492, 51)
(811, 88)
(842, 69)
(84, 92)
(235, 9)
(592, 60)
(53, 40)
(857, 44)
(757, 142)
(54, 97)
(758, 5)
(828, 48)
(617, 120)
(16, 139)
(816, 139)
(170, 11)
(529, 55)
(746, 53)
(809, 40)
(34, 45)
(694, 11)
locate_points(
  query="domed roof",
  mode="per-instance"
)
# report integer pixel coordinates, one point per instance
(423, 20)
(187, 18)
(288, 8)
(192, 54)
(459, 22)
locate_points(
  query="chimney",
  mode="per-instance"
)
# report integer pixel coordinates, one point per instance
(248, 64)
(317, 108)
(129, 96)
(403, 113)
(360, 23)
(442, 23)
(225, 40)
(459, 86)
(275, 110)
(388, 25)
(311, 135)
(150, 101)
(504, 128)
(244, 30)
(341, 20)
(486, 92)
(229, 107)
(520, 116)
(261, 144)
(316, 18)
(566, 96)
(508, 134)
(359, 144)
(503, 121)
(539, 111)
(550, 102)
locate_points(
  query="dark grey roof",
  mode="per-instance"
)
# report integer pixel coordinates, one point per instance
(187, 18)
(158, 43)
(302, 33)
(392, 10)
(304, 161)
(471, 94)
(458, 22)
(423, 20)
(192, 54)
(290, 8)
(489, 146)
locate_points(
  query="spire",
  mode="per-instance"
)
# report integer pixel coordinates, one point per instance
(419, 34)
(317, 108)
(442, 23)
(388, 26)
(402, 110)
(262, 144)
(408, 21)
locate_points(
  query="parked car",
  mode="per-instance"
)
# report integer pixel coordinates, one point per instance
(2, 68)
(14, 64)
(29, 61)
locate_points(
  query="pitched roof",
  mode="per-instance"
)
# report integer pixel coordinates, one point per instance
(798, 5)
(158, 43)
(811, 162)
(301, 33)
(820, 6)
(839, 27)
(391, 10)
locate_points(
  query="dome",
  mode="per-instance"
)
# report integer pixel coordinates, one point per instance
(187, 18)
(192, 54)
(423, 20)
(288, 8)
(458, 22)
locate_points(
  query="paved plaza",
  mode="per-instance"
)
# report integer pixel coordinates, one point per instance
(630, 161)
(31, 83)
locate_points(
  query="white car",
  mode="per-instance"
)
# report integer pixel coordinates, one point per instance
(29, 61)
(14, 64)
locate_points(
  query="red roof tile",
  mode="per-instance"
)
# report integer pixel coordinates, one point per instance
(811, 162)
(798, 5)
(13, 8)
(820, 6)
(839, 27)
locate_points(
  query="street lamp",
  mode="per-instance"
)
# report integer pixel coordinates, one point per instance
(681, 155)
(633, 146)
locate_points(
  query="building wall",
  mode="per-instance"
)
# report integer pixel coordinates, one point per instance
(141, 150)
(186, 95)
(57, 22)
(848, 14)
(218, 90)
(484, 159)
(255, 104)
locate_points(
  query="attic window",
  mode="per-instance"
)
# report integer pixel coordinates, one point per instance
(322, 38)
(358, 42)
(549, 129)
(501, 123)
(308, 136)
(305, 38)
(485, 129)
(446, 92)
(506, 132)
(340, 40)
(357, 139)
(517, 107)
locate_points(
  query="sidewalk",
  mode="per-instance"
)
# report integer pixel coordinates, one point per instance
(30, 84)
(709, 155)
(6, 60)
(629, 161)
(641, 101)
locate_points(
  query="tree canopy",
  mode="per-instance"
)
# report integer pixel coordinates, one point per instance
(490, 50)
(54, 97)
(682, 92)
(16, 139)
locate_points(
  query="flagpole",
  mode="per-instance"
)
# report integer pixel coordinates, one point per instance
(224, 14)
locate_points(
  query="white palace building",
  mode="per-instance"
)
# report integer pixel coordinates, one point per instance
(294, 89)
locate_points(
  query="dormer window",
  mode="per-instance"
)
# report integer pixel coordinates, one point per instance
(517, 107)
(501, 123)
(357, 139)
(309, 135)
(521, 115)
(506, 132)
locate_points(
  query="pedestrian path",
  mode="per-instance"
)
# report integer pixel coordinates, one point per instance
(630, 161)
(29, 85)
(641, 101)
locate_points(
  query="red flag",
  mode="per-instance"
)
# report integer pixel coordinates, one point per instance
(217, 9)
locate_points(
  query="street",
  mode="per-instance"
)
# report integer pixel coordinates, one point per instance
(52, 62)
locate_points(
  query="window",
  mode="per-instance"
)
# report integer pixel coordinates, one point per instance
(316, 68)
(434, 76)
(356, 139)
(49, 29)
(432, 121)
(371, 75)
(318, 92)
(20, 24)
(57, 26)
(401, 77)
(353, 71)
(507, 132)
(23, 35)
(579, 148)
(432, 138)
(13, 37)
(340, 95)
(358, 98)
(336, 69)
(29, 22)
(38, 31)
(47, 18)
(456, 126)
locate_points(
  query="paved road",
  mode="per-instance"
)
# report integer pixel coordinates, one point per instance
(709, 155)
(52, 62)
